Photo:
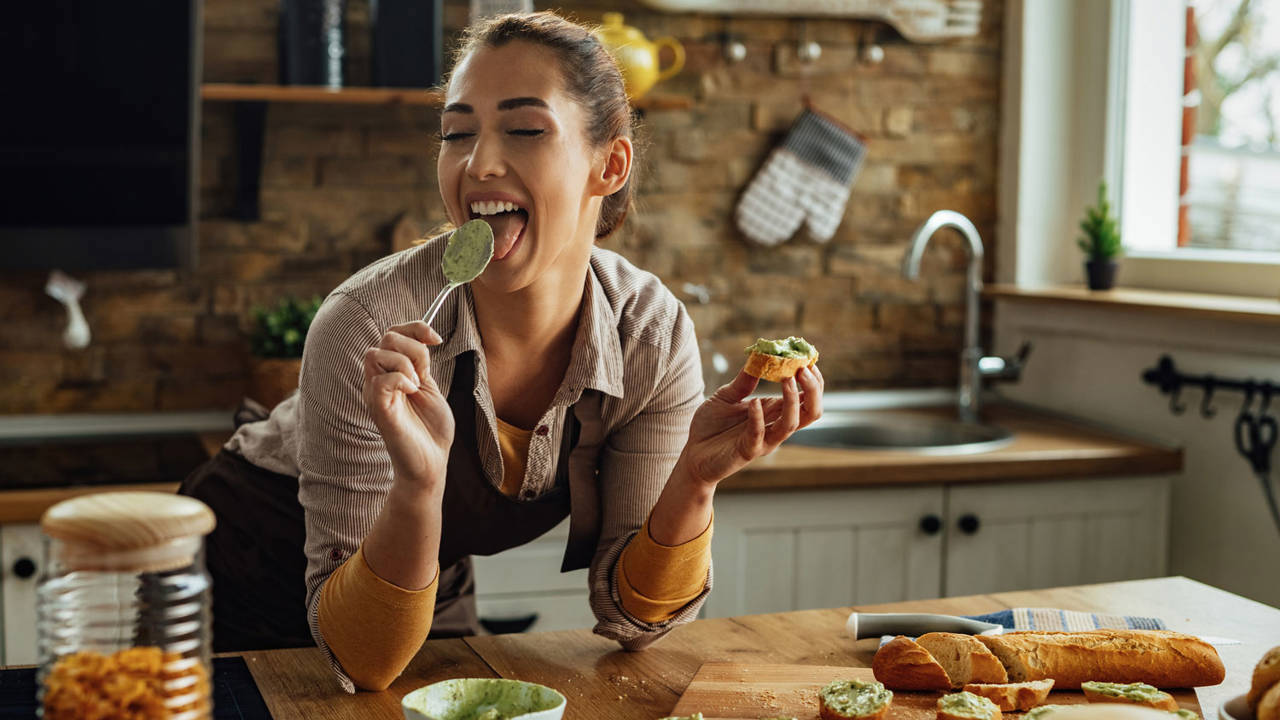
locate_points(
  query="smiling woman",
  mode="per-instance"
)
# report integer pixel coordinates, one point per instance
(561, 382)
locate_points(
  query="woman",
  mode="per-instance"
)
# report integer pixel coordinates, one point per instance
(562, 382)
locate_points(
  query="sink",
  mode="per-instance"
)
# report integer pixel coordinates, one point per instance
(915, 433)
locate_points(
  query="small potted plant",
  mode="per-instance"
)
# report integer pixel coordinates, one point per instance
(276, 343)
(1100, 243)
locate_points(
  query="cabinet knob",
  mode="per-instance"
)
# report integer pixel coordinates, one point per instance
(504, 626)
(930, 524)
(24, 568)
(969, 523)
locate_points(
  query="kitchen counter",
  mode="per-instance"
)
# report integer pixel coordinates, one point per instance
(602, 681)
(1044, 447)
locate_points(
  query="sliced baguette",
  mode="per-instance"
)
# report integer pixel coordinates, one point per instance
(966, 660)
(972, 707)
(1095, 693)
(1010, 697)
(1156, 657)
(776, 368)
(901, 664)
(1265, 675)
(833, 696)
(1269, 704)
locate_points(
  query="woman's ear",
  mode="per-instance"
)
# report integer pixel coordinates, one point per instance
(614, 167)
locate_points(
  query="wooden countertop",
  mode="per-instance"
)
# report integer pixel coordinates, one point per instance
(1044, 447)
(603, 681)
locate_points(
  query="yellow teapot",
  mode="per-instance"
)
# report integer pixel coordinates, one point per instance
(636, 56)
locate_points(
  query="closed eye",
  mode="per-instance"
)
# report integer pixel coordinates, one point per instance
(527, 133)
(455, 136)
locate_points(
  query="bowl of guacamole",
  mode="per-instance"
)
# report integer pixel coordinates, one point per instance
(483, 699)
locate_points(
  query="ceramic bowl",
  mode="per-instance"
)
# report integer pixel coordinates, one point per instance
(1237, 708)
(472, 698)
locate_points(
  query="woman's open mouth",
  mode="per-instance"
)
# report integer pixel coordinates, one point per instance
(508, 221)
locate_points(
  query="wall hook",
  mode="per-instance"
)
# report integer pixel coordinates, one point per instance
(1176, 407)
(1206, 410)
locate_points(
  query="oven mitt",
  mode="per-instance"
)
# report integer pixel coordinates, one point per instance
(805, 180)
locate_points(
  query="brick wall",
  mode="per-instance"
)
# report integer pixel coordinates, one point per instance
(337, 179)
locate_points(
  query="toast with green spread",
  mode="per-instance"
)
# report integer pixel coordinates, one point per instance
(777, 360)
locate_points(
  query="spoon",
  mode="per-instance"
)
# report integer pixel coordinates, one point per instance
(468, 253)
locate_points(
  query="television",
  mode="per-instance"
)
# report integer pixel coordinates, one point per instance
(99, 133)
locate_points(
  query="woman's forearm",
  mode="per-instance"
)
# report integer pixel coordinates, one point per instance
(403, 547)
(683, 510)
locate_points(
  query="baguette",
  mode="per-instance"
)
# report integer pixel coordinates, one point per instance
(1156, 657)
(902, 664)
(1269, 704)
(1265, 676)
(777, 368)
(1013, 696)
(853, 700)
(966, 660)
(1129, 694)
(967, 706)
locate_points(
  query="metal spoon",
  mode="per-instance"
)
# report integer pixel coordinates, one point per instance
(468, 253)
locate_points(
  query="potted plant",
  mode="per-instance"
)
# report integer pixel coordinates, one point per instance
(276, 343)
(1100, 243)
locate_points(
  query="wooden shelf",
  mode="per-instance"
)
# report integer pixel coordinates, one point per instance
(1165, 302)
(227, 92)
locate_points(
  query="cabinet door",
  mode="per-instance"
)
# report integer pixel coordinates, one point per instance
(20, 557)
(524, 588)
(1048, 534)
(800, 550)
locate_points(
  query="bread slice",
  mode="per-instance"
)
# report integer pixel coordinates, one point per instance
(1128, 694)
(1265, 675)
(1157, 657)
(776, 368)
(967, 706)
(853, 699)
(902, 664)
(1269, 704)
(966, 660)
(1013, 696)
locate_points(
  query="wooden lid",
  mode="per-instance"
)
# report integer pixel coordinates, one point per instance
(127, 520)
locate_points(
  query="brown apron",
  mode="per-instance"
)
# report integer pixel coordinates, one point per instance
(255, 554)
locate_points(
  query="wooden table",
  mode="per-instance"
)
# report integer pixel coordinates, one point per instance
(602, 681)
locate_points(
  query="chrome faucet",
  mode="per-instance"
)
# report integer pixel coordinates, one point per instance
(973, 364)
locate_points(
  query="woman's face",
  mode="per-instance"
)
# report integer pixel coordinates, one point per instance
(511, 137)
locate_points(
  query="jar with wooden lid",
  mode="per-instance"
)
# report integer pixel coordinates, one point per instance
(123, 608)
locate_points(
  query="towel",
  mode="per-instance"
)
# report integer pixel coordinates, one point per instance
(1052, 619)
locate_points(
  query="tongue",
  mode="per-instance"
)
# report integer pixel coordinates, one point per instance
(506, 230)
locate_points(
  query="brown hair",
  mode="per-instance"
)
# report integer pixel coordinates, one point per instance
(590, 76)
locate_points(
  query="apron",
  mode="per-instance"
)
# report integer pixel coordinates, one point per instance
(255, 554)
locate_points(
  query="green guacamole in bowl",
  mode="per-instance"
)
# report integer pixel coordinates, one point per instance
(483, 699)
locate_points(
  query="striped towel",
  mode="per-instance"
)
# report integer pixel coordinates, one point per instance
(1052, 619)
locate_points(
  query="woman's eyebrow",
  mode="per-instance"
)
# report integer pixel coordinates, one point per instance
(508, 104)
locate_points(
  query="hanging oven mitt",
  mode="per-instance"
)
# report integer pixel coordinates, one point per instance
(805, 179)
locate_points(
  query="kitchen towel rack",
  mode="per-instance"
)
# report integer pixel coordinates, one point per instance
(1171, 381)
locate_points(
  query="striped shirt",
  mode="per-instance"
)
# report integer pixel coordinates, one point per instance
(633, 382)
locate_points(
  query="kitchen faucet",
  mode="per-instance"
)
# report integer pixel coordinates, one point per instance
(973, 364)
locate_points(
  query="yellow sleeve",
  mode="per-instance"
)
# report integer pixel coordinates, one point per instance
(655, 581)
(373, 627)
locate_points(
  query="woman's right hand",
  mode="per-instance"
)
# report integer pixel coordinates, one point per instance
(412, 414)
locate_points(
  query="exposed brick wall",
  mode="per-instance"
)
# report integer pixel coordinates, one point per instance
(336, 178)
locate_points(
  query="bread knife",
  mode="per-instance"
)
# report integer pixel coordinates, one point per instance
(865, 625)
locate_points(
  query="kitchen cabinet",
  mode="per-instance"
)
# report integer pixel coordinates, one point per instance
(20, 557)
(523, 589)
(780, 551)
(1036, 535)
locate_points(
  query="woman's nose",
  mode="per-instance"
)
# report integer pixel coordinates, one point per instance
(486, 159)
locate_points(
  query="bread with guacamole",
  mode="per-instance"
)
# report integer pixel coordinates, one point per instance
(777, 360)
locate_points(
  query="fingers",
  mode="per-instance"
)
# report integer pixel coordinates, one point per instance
(737, 390)
(751, 439)
(411, 348)
(380, 387)
(378, 362)
(788, 419)
(417, 330)
(811, 388)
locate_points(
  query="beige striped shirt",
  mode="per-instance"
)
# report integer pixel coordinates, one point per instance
(634, 381)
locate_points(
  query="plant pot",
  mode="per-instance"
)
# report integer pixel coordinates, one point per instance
(273, 379)
(1101, 274)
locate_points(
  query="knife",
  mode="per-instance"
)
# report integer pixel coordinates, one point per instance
(865, 625)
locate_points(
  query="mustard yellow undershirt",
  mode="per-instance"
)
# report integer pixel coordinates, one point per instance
(374, 627)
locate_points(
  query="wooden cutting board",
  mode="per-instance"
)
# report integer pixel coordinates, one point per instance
(733, 691)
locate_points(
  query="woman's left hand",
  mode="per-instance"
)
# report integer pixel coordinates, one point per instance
(729, 430)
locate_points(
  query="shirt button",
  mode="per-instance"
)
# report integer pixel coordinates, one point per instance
(526, 494)
(542, 430)
(335, 554)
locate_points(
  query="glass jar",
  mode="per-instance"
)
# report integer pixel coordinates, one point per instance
(123, 608)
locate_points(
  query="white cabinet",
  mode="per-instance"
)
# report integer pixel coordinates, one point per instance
(523, 587)
(20, 556)
(807, 549)
(1037, 535)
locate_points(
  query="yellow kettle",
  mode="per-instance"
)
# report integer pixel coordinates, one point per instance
(636, 56)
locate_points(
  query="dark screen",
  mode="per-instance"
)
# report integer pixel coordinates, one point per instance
(96, 128)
